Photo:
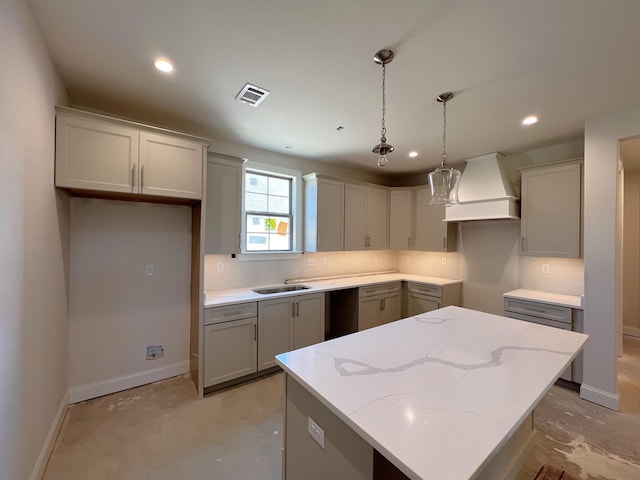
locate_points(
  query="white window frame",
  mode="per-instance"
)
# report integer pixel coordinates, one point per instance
(296, 212)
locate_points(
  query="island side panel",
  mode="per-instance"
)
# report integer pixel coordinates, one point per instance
(345, 455)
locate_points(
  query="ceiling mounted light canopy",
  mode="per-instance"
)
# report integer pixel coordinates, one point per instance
(444, 180)
(383, 57)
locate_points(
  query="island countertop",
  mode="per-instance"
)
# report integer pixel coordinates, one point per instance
(440, 393)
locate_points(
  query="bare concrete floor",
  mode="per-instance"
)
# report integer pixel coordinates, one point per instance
(162, 431)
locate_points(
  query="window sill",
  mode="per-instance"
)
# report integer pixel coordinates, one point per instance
(262, 256)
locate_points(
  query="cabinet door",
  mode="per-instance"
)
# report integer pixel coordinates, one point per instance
(432, 234)
(223, 206)
(96, 155)
(275, 330)
(551, 211)
(400, 216)
(369, 312)
(309, 320)
(390, 308)
(229, 350)
(420, 304)
(330, 220)
(355, 210)
(377, 218)
(170, 166)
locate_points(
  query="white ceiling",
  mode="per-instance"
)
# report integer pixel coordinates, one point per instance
(564, 60)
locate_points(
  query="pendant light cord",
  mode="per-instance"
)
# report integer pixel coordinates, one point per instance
(444, 133)
(383, 132)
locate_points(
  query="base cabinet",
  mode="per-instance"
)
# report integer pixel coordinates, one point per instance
(230, 350)
(288, 323)
(424, 297)
(379, 304)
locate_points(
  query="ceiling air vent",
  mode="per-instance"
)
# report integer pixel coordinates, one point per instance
(252, 95)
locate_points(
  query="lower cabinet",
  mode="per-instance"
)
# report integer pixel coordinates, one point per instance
(244, 338)
(288, 323)
(379, 304)
(424, 297)
(230, 350)
(557, 316)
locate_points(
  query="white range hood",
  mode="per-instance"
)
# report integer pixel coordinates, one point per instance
(485, 192)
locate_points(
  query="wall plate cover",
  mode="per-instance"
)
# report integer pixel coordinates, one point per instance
(316, 432)
(155, 351)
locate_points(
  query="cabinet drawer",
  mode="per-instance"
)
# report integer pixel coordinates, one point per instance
(537, 309)
(382, 289)
(231, 312)
(539, 320)
(425, 289)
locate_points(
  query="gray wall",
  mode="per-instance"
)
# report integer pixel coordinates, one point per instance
(34, 250)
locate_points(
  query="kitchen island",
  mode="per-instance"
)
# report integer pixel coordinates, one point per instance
(447, 394)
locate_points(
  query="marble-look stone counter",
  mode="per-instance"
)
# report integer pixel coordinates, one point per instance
(215, 298)
(438, 394)
(573, 301)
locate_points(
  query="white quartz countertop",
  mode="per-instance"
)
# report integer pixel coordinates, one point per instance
(439, 393)
(215, 298)
(573, 301)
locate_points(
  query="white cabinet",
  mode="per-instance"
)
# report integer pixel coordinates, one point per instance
(230, 343)
(323, 214)
(379, 304)
(551, 210)
(432, 234)
(100, 154)
(424, 297)
(223, 211)
(288, 323)
(366, 217)
(401, 219)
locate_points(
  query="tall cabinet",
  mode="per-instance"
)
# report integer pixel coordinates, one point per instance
(432, 234)
(401, 219)
(223, 205)
(366, 217)
(324, 214)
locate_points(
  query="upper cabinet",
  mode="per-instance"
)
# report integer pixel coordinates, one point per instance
(223, 212)
(96, 153)
(401, 220)
(323, 214)
(432, 234)
(366, 217)
(551, 209)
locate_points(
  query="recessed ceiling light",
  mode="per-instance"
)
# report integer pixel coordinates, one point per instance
(530, 120)
(413, 153)
(163, 65)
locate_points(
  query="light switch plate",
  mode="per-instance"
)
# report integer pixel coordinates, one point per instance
(316, 432)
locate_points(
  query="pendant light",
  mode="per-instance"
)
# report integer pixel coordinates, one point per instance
(383, 148)
(444, 180)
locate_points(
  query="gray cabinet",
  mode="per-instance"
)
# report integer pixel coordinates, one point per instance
(401, 219)
(223, 211)
(557, 316)
(103, 154)
(551, 223)
(432, 234)
(379, 304)
(323, 214)
(288, 323)
(366, 217)
(230, 343)
(424, 297)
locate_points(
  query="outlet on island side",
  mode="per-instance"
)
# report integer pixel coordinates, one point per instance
(316, 432)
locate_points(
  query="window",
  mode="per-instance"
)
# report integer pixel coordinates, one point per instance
(268, 212)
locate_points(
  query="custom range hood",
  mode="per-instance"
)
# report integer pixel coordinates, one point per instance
(485, 192)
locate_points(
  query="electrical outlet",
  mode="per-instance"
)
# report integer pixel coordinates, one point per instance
(148, 270)
(375, 258)
(324, 260)
(545, 268)
(407, 258)
(155, 351)
(311, 262)
(316, 432)
(444, 260)
(221, 266)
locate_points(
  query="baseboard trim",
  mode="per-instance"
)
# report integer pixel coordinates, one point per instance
(632, 331)
(112, 385)
(595, 395)
(49, 442)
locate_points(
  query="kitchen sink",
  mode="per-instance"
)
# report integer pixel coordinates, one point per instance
(280, 288)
